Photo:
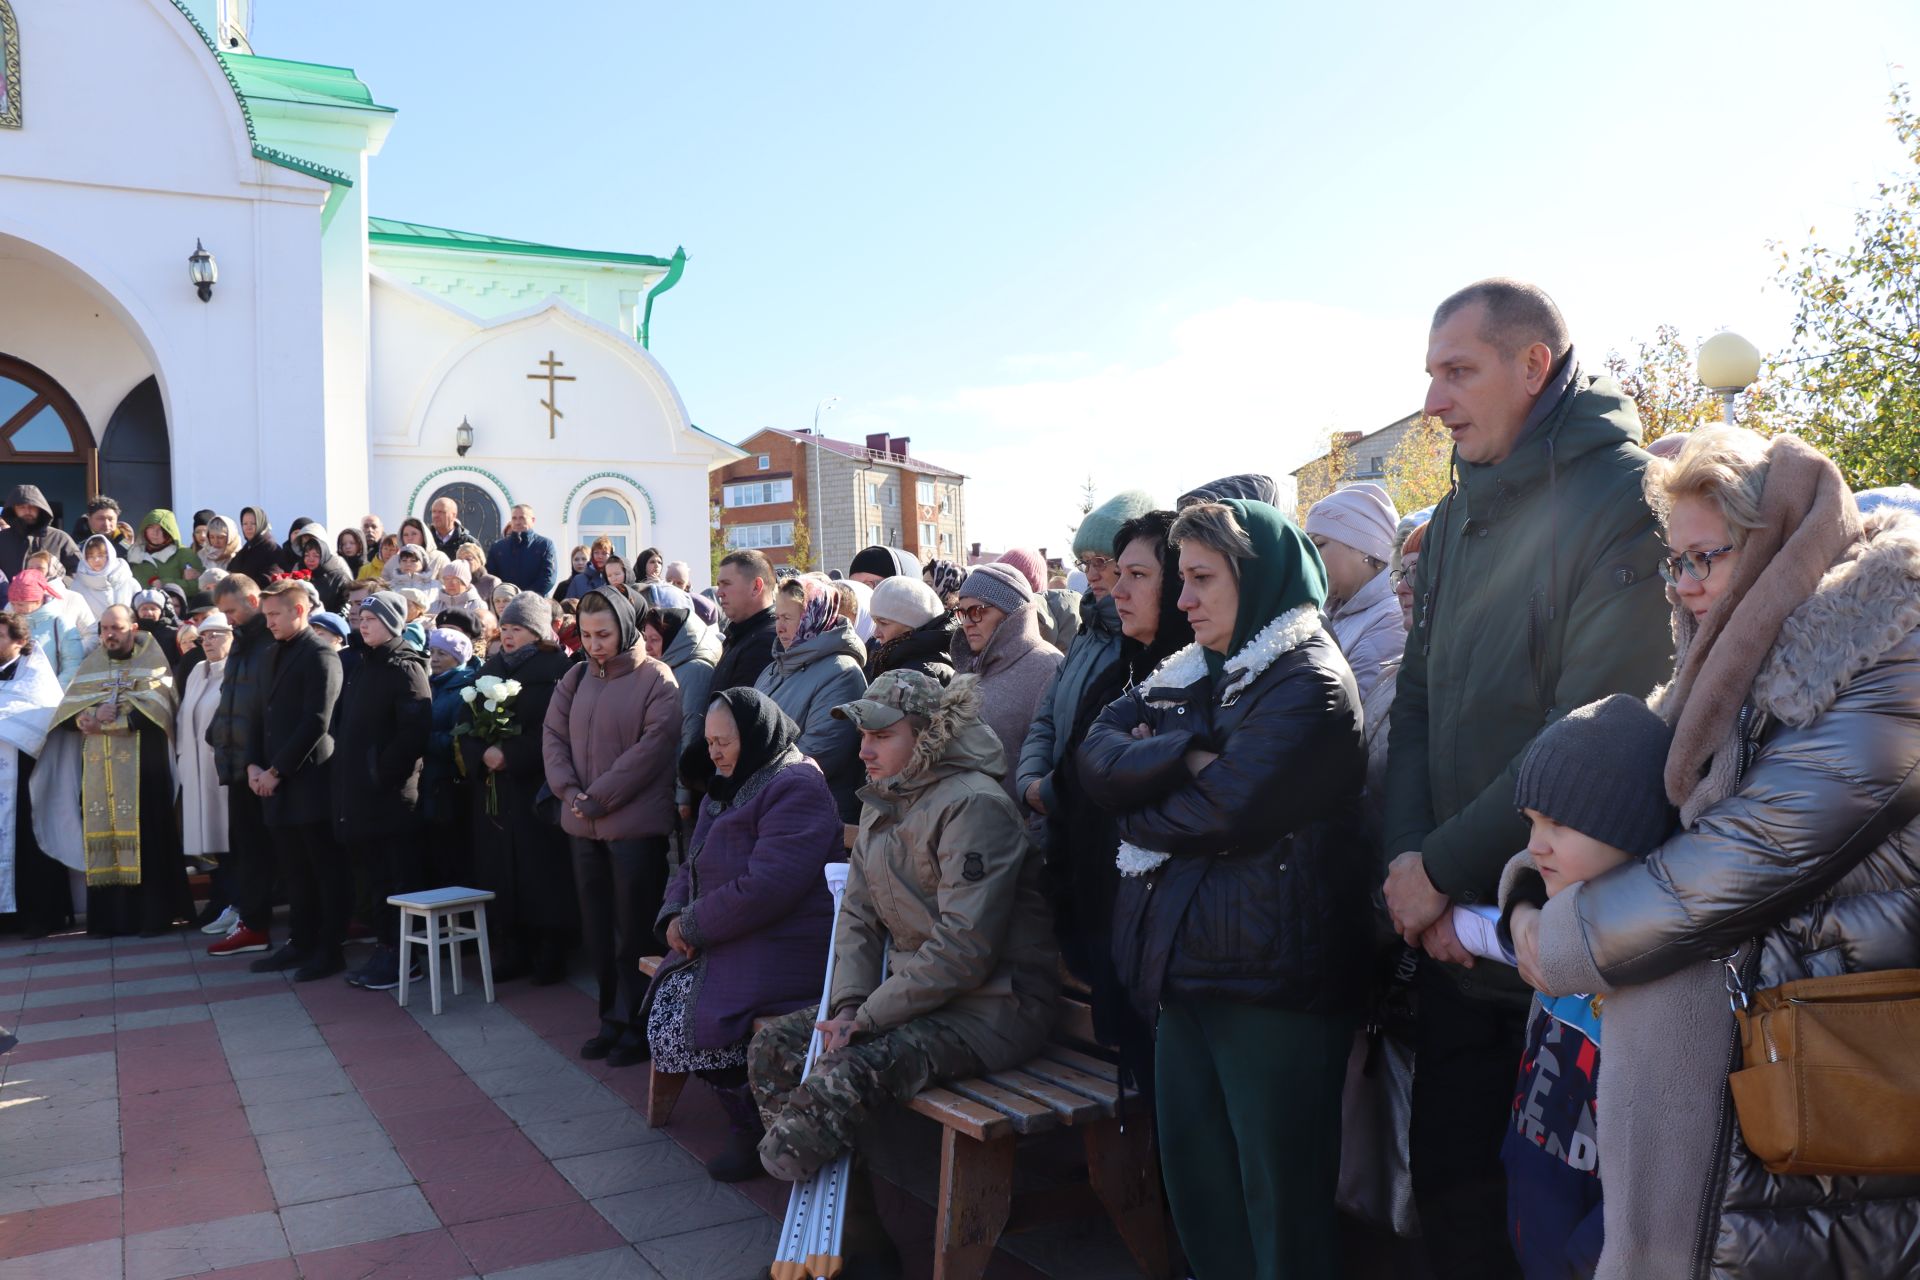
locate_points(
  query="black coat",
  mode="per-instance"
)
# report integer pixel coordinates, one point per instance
(235, 732)
(746, 653)
(295, 739)
(259, 559)
(379, 738)
(331, 580)
(928, 649)
(18, 540)
(1265, 897)
(517, 854)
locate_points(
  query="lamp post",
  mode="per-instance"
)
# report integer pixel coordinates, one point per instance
(1728, 364)
(202, 270)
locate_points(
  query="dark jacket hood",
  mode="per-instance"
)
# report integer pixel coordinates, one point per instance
(29, 493)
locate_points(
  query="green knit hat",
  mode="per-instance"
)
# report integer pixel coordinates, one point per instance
(1102, 524)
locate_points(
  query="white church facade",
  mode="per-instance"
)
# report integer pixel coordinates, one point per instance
(336, 363)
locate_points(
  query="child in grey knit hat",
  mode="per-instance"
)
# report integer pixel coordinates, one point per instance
(1592, 785)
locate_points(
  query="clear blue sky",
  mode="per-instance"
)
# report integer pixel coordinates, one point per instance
(1145, 242)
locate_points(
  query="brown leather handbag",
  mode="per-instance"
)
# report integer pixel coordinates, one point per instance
(1830, 1081)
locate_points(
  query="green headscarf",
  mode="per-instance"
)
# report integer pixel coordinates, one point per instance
(1286, 572)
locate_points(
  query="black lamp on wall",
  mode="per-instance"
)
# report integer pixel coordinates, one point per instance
(202, 270)
(463, 436)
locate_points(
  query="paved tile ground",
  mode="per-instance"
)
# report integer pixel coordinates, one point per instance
(166, 1114)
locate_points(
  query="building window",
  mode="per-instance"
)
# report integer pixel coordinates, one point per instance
(924, 491)
(929, 536)
(873, 494)
(760, 537)
(755, 493)
(764, 462)
(873, 535)
(1379, 465)
(953, 499)
(604, 515)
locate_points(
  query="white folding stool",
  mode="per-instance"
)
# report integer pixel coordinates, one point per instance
(435, 908)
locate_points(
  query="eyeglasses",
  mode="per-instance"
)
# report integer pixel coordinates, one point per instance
(1094, 564)
(1397, 576)
(1698, 564)
(972, 612)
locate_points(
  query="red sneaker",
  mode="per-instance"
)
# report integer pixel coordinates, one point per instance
(240, 940)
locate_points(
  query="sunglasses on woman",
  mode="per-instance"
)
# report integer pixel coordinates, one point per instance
(972, 612)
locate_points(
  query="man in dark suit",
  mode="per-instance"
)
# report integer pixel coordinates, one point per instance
(235, 734)
(293, 783)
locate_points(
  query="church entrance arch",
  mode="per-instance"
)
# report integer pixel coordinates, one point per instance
(136, 462)
(478, 511)
(45, 440)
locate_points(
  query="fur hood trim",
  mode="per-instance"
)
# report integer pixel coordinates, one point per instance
(1189, 666)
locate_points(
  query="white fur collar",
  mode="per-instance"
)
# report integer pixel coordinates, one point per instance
(1189, 666)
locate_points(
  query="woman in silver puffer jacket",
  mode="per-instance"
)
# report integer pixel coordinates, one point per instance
(1796, 712)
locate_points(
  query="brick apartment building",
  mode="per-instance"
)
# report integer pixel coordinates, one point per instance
(853, 496)
(1369, 450)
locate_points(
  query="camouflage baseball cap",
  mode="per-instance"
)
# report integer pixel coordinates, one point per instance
(893, 695)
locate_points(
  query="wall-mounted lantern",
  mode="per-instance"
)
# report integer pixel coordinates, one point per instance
(202, 270)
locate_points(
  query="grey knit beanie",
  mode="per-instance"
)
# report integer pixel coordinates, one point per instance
(532, 611)
(387, 608)
(1000, 585)
(1601, 770)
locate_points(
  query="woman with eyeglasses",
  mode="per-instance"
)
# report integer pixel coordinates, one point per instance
(1353, 529)
(1000, 625)
(1795, 706)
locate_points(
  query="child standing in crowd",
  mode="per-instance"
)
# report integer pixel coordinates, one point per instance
(1591, 785)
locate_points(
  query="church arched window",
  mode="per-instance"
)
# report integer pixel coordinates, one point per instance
(606, 515)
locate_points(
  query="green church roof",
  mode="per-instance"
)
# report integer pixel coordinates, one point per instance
(314, 83)
(420, 236)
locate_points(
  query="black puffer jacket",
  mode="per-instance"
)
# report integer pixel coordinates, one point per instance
(235, 731)
(1263, 898)
(928, 649)
(380, 736)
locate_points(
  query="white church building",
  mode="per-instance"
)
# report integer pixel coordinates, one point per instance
(314, 359)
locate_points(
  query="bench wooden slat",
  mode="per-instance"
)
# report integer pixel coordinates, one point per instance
(1102, 1093)
(962, 1115)
(1098, 1068)
(1068, 1105)
(1028, 1116)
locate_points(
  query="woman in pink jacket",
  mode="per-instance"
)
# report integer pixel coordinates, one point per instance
(611, 736)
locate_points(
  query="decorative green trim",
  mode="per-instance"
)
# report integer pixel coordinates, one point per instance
(315, 84)
(460, 466)
(566, 508)
(665, 283)
(418, 235)
(10, 66)
(261, 151)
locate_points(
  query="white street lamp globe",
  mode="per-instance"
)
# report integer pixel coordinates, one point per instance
(1728, 362)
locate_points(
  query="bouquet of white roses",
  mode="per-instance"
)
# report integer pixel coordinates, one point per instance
(489, 707)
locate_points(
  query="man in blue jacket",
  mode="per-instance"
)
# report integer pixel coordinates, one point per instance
(523, 557)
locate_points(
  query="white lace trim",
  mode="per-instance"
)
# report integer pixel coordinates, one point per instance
(1281, 636)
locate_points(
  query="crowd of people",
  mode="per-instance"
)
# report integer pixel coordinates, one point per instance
(1598, 738)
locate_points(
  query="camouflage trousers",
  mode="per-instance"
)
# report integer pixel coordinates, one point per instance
(819, 1118)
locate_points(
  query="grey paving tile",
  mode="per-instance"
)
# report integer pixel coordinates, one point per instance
(69, 968)
(61, 1184)
(205, 1246)
(260, 1090)
(609, 1173)
(262, 1010)
(530, 1074)
(53, 997)
(97, 1261)
(155, 959)
(735, 1251)
(601, 1131)
(358, 1137)
(279, 1062)
(172, 1017)
(307, 1180)
(371, 1215)
(306, 1113)
(559, 1102)
(157, 986)
(27, 1151)
(243, 1039)
(675, 1207)
(613, 1264)
(66, 1028)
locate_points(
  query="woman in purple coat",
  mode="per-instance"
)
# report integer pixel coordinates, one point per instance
(747, 916)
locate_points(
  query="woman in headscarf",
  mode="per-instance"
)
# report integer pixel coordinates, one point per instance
(324, 568)
(517, 854)
(408, 571)
(158, 558)
(818, 663)
(945, 577)
(1084, 836)
(1354, 530)
(55, 637)
(1241, 925)
(223, 543)
(376, 564)
(1795, 707)
(203, 799)
(620, 580)
(41, 900)
(855, 599)
(1000, 620)
(103, 577)
(352, 550)
(609, 740)
(747, 917)
(259, 553)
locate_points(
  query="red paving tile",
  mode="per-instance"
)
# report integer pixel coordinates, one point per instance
(153, 1166)
(58, 1226)
(64, 1012)
(191, 1131)
(471, 1155)
(425, 1255)
(414, 1067)
(273, 1269)
(526, 1238)
(172, 1104)
(183, 1201)
(445, 1122)
(422, 1095)
(202, 1032)
(70, 1047)
(479, 1196)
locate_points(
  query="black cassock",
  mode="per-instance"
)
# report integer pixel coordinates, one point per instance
(161, 897)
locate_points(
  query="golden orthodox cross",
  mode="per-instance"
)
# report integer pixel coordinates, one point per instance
(550, 378)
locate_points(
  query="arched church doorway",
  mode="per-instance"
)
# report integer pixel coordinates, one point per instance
(136, 462)
(478, 511)
(45, 440)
